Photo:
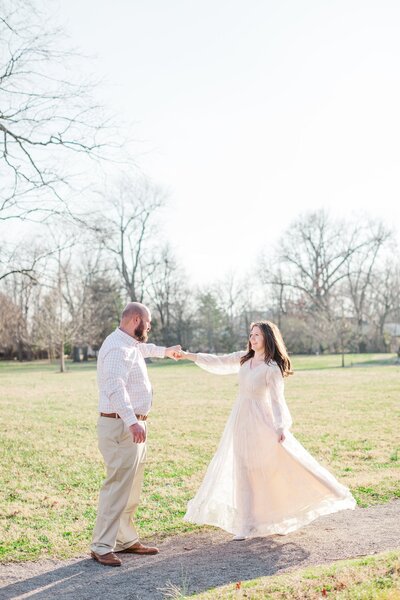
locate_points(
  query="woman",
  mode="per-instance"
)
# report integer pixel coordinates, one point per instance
(261, 481)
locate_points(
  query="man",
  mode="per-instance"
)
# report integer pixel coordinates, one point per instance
(125, 397)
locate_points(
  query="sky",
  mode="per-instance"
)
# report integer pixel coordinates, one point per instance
(250, 112)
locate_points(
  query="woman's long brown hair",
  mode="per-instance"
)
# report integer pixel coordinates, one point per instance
(275, 348)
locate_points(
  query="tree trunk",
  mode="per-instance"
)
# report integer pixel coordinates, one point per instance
(52, 353)
(76, 354)
(85, 354)
(62, 359)
(342, 344)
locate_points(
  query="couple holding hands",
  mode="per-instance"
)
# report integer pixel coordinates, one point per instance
(261, 480)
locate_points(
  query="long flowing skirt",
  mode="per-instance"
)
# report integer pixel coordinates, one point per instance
(256, 486)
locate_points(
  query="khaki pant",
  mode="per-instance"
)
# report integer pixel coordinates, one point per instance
(119, 496)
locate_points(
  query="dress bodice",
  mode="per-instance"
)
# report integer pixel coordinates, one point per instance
(263, 382)
(253, 381)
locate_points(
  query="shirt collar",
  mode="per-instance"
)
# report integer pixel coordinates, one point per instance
(126, 337)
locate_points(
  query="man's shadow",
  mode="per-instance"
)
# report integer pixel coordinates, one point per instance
(189, 567)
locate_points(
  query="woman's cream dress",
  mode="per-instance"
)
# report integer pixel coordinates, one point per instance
(254, 485)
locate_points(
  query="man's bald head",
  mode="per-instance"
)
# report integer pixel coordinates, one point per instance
(135, 320)
(133, 309)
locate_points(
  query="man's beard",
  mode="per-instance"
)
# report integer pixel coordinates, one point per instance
(140, 333)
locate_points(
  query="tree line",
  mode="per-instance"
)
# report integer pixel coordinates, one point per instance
(331, 286)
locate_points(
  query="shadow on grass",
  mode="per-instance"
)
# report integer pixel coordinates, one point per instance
(190, 570)
(376, 363)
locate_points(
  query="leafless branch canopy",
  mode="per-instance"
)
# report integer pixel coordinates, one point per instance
(317, 253)
(128, 229)
(47, 115)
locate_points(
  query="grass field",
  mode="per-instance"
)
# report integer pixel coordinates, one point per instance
(52, 471)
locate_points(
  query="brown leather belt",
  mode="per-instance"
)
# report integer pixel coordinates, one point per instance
(116, 416)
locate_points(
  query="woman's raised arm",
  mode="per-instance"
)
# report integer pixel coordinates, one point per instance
(220, 365)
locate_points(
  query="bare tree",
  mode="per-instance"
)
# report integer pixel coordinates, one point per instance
(384, 299)
(169, 293)
(280, 295)
(46, 115)
(58, 318)
(76, 302)
(237, 301)
(11, 322)
(91, 293)
(70, 291)
(311, 256)
(52, 132)
(127, 230)
(360, 268)
(22, 285)
(20, 290)
(314, 258)
(25, 258)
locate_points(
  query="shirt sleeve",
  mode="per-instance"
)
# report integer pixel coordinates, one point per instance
(220, 365)
(151, 350)
(280, 411)
(116, 368)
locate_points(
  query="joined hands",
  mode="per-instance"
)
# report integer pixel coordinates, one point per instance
(176, 353)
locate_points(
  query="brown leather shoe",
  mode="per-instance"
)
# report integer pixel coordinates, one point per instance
(109, 559)
(139, 548)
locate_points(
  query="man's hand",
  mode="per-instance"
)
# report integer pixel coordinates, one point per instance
(174, 352)
(138, 432)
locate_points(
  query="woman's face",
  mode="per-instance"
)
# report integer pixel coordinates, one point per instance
(257, 339)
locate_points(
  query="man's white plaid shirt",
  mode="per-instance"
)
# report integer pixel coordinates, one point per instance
(124, 385)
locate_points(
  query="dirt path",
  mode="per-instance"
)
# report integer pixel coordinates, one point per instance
(200, 561)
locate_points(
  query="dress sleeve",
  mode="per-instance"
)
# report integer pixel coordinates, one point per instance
(220, 365)
(280, 411)
(151, 350)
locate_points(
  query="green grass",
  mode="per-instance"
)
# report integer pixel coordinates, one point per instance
(334, 361)
(300, 362)
(370, 578)
(52, 471)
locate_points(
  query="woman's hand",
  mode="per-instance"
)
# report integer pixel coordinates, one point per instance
(281, 436)
(187, 356)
